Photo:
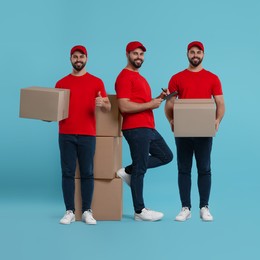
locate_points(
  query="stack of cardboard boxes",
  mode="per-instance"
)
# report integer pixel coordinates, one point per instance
(52, 104)
(107, 197)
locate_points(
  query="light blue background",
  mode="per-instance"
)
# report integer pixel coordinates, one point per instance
(36, 37)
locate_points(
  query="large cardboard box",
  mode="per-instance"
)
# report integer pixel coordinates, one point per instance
(107, 199)
(108, 158)
(194, 118)
(44, 103)
(109, 123)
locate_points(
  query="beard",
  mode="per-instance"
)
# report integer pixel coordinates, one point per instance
(137, 63)
(78, 66)
(195, 62)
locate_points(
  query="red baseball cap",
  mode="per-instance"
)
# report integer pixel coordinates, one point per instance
(134, 45)
(79, 48)
(197, 44)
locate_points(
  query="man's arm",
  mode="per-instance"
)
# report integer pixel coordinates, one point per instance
(168, 109)
(127, 106)
(220, 110)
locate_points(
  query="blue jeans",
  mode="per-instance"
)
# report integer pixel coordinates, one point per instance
(148, 150)
(201, 148)
(81, 147)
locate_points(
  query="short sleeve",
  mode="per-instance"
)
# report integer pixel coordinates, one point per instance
(123, 87)
(217, 87)
(172, 86)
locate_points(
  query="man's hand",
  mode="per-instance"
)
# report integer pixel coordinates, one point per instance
(217, 124)
(165, 92)
(156, 102)
(99, 100)
(103, 103)
(172, 125)
(220, 105)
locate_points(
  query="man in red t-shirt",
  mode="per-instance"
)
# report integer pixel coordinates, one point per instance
(148, 149)
(77, 133)
(195, 82)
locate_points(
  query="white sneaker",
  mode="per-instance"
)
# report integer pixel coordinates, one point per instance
(88, 217)
(205, 214)
(184, 214)
(124, 176)
(68, 217)
(148, 215)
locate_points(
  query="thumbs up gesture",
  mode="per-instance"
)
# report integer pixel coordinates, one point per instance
(99, 100)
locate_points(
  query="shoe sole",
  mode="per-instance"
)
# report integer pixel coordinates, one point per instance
(151, 220)
(206, 220)
(183, 220)
(73, 220)
(89, 223)
(83, 220)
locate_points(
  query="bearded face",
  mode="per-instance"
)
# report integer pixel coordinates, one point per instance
(136, 58)
(78, 60)
(136, 62)
(195, 56)
(195, 61)
(78, 65)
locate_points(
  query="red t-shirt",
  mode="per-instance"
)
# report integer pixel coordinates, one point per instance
(83, 91)
(132, 85)
(202, 84)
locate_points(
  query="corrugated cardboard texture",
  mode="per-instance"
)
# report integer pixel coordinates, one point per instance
(107, 200)
(194, 118)
(44, 103)
(108, 158)
(109, 123)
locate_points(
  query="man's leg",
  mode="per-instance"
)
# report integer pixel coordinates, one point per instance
(139, 143)
(203, 147)
(86, 152)
(184, 160)
(160, 152)
(68, 156)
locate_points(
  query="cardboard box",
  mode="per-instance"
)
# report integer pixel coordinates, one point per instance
(44, 103)
(108, 158)
(109, 123)
(194, 118)
(107, 199)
